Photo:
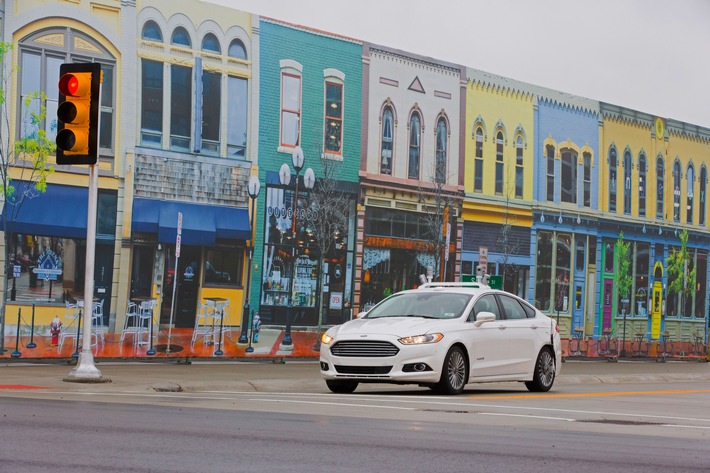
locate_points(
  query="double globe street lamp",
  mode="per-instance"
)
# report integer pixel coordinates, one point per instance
(253, 188)
(309, 180)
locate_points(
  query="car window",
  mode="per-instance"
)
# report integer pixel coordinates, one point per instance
(486, 303)
(529, 311)
(421, 304)
(512, 308)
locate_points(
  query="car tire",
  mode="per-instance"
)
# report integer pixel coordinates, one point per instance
(544, 374)
(454, 373)
(341, 387)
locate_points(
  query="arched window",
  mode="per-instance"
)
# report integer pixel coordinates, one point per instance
(237, 49)
(210, 43)
(702, 184)
(386, 147)
(499, 163)
(478, 162)
(568, 181)
(676, 191)
(587, 158)
(415, 136)
(519, 169)
(689, 194)
(441, 141)
(181, 37)
(642, 185)
(550, 160)
(628, 167)
(612, 179)
(660, 178)
(151, 32)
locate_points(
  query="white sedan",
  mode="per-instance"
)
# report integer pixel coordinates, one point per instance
(444, 336)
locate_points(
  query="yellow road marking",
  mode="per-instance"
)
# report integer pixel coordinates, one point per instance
(600, 394)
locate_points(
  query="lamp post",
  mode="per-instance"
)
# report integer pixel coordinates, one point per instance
(253, 188)
(309, 181)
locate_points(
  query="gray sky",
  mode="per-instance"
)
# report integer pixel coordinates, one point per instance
(648, 55)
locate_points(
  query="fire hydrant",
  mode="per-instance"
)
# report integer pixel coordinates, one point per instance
(255, 327)
(55, 328)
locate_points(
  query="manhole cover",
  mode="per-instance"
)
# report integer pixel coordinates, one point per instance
(164, 348)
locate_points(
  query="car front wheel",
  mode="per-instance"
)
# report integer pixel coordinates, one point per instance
(544, 374)
(341, 387)
(454, 373)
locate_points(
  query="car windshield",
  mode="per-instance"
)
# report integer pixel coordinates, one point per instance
(432, 305)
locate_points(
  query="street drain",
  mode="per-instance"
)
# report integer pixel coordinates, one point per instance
(618, 422)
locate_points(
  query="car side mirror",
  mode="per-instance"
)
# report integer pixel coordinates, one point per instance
(361, 314)
(483, 317)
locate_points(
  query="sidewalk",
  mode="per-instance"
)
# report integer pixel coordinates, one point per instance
(293, 375)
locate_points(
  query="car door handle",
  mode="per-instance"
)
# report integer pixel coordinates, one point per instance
(534, 327)
(501, 327)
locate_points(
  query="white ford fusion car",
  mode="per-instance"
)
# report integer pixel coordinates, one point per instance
(444, 335)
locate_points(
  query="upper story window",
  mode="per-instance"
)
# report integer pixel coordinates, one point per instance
(415, 137)
(628, 167)
(676, 191)
(181, 37)
(702, 183)
(290, 109)
(386, 147)
(237, 111)
(587, 191)
(500, 166)
(689, 194)
(151, 32)
(660, 177)
(180, 107)
(642, 185)
(211, 110)
(441, 145)
(333, 117)
(210, 43)
(568, 181)
(478, 162)
(40, 56)
(519, 167)
(237, 50)
(550, 161)
(612, 179)
(152, 103)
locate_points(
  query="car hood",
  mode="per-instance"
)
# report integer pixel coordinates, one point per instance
(396, 326)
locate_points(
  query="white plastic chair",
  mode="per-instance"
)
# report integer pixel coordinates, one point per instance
(71, 317)
(97, 321)
(146, 322)
(204, 324)
(132, 322)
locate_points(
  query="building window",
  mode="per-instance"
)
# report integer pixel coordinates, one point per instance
(237, 111)
(151, 103)
(290, 109)
(642, 185)
(223, 267)
(499, 164)
(676, 191)
(703, 188)
(690, 195)
(333, 118)
(181, 37)
(210, 43)
(386, 148)
(180, 107)
(550, 153)
(519, 167)
(543, 278)
(587, 158)
(415, 136)
(628, 167)
(641, 283)
(478, 162)
(563, 267)
(237, 50)
(151, 32)
(39, 62)
(568, 182)
(441, 143)
(612, 179)
(211, 100)
(660, 177)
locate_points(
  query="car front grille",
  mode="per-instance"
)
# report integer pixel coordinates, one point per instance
(362, 369)
(364, 349)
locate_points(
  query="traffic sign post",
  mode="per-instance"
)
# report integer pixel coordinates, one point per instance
(178, 239)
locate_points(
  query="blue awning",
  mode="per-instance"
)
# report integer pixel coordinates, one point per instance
(201, 224)
(61, 211)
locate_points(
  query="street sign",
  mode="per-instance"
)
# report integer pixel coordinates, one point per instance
(179, 235)
(483, 258)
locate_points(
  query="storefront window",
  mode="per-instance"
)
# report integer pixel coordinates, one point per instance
(223, 266)
(641, 282)
(701, 284)
(543, 278)
(562, 272)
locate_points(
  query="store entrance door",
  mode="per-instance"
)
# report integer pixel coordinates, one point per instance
(188, 286)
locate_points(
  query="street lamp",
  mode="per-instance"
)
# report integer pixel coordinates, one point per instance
(309, 180)
(253, 188)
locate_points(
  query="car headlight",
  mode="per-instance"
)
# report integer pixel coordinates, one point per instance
(421, 339)
(326, 339)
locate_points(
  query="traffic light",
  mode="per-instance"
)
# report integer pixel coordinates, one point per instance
(78, 113)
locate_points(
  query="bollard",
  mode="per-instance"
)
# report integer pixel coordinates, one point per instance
(32, 343)
(151, 350)
(78, 332)
(250, 349)
(17, 353)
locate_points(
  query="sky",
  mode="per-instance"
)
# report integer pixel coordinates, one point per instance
(648, 55)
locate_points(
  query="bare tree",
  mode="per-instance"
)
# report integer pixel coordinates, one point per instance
(24, 163)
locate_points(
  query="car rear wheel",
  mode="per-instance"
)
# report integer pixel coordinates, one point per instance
(544, 374)
(454, 373)
(341, 387)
